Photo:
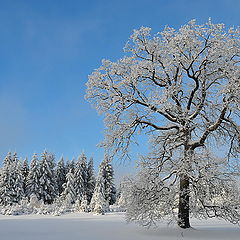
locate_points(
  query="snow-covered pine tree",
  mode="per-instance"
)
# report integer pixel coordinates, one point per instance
(70, 166)
(8, 159)
(69, 193)
(90, 180)
(80, 177)
(47, 178)
(16, 181)
(60, 175)
(14, 157)
(25, 171)
(108, 173)
(98, 202)
(33, 179)
(5, 180)
(11, 186)
(122, 194)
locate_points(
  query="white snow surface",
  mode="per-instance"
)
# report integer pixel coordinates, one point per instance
(86, 226)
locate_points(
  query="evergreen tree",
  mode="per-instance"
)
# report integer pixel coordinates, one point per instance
(33, 179)
(90, 180)
(14, 157)
(70, 166)
(25, 171)
(5, 180)
(11, 185)
(16, 181)
(105, 191)
(7, 160)
(47, 178)
(98, 202)
(60, 176)
(69, 193)
(80, 177)
(110, 190)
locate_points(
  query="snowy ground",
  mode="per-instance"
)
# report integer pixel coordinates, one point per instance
(111, 226)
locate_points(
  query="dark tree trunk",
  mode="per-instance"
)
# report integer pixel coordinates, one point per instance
(183, 208)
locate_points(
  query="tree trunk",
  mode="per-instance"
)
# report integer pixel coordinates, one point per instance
(183, 208)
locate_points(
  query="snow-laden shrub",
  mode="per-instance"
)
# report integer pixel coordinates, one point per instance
(82, 206)
(23, 208)
(116, 208)
(34, 202)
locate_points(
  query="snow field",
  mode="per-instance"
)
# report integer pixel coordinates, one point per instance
(86, 226)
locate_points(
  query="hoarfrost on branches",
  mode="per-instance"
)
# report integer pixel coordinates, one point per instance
(181, 88)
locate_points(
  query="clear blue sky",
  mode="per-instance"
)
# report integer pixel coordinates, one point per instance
(49, 47)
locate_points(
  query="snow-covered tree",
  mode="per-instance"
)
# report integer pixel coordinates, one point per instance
(182, 90)
(25, 171)
(69, 192)
(122, 194)
(70, 166)
(110, 189)
(60, 175)
(47, 179)
(17, 181)
(5, 180)
(8, 159)
(33, 179)
(84, 207)
(98, 203)
(11, 186)
(90, 180)
(80, 177)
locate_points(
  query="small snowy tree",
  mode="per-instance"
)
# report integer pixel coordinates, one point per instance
(47, 179)
(80, 177)
(122, 196)
(60, 175)
(99, 204)
(182, 90)
(69, 192)
(90, 180)
(33, 179)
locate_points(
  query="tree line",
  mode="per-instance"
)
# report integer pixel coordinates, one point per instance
(49, 182)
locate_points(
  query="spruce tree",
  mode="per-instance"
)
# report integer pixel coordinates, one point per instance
(7, 160)
(5, 190)
(33, 179)
(11, 186)
(90, 180)
(60, 176)
(25, 171)
(69, 193)
(47, 178)
(16, 181)
(98, 202)
(110, 190)
(80, 177)
(70, 166)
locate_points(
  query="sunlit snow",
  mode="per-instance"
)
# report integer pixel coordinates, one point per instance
(86, 226)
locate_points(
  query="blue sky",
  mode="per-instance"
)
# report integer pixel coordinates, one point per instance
(48, 49)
